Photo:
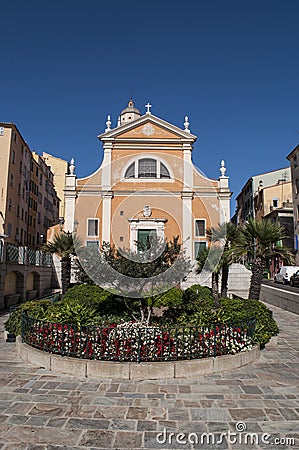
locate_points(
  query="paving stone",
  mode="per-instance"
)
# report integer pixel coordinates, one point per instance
(76, 410)
(49, 410)
(113, 412)
(254, 414)
(157, 413)
(178, 414)
(56, 422)
(103, 439)
(273, 414)
(289, 414)
(42, 435)
(65, 411)
(36, 421)
(146, 425)
(210, 414)
(136, 413)
(121, 424)
(88, 424)
(251, 389)
(127, 439)
(19, 408)
(15, 419)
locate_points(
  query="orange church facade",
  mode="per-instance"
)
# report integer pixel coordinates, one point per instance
(147, 184)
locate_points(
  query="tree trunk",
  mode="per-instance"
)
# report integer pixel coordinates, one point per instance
(257, 269)
(65, 274)
(224, 280)
(215, 289)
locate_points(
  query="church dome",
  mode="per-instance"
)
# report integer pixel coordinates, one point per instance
(129, 113)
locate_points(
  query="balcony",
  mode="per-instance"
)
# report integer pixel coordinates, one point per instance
(15, 254)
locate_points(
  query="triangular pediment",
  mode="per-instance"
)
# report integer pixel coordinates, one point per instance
(148, 127)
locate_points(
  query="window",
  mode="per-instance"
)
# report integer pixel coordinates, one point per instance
(164, 173)
(200, 227)
(9, 229)
(144, 239)
(130, 172)
(147, 168)
(275, 202)
(10, 204)
(13, 157)
(92, 227)
(92, 243)
(198, 247)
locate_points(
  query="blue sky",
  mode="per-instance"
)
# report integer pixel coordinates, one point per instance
(231, 66)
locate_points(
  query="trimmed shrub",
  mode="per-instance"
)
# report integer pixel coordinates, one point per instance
(34, 308)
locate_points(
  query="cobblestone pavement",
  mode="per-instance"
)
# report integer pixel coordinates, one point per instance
(40, 410)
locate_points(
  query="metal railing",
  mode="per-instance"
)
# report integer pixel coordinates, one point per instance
(136, 342)
(16, 254)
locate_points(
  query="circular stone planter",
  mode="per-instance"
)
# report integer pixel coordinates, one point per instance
(131, 370)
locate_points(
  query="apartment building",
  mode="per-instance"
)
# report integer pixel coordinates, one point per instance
(246, 198)
(293, 158)
(29, 204)
(60, 168)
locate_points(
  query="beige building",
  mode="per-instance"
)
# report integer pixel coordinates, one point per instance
(245, 207)
(47, 198)
(272, 197)
(293, 157)
(59, 167)
(28, 201)
(146, 184)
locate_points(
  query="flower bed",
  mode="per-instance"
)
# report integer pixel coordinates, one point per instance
(135, 341)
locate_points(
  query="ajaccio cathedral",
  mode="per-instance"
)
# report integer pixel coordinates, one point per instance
(146, 185)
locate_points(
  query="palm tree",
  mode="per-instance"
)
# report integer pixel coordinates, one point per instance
(210, 260)
(225, 234)
(258, 241)
(63, 246)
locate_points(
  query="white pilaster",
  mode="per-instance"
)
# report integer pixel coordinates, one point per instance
(224, 195)
(106, 215)
(107, 194)
(70, 202)
(188, 166)
(187, 222)
(106, 166)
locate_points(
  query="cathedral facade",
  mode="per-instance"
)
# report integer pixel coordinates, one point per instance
(146, 185)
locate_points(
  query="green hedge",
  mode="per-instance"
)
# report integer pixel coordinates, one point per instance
(90, 304)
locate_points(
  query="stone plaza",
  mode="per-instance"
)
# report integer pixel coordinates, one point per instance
(43, 410)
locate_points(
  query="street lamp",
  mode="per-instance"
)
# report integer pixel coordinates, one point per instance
(61, 223)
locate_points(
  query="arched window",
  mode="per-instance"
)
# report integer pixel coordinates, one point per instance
(164, 173)
(147, 168)
(130, 172)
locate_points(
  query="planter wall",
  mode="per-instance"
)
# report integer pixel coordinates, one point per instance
(134, 371)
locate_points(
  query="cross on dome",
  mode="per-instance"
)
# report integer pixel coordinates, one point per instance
(148, 106)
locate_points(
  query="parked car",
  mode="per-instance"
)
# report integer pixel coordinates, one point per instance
(284, 274)
(294, 281)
